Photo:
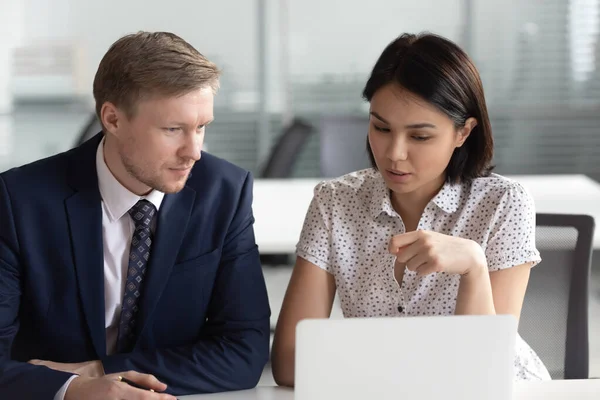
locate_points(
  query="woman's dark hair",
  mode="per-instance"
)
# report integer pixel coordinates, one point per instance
(441, 73)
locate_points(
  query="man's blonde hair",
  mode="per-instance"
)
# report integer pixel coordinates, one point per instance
(147, 64)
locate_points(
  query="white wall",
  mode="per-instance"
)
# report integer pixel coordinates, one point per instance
(325, 36)
(46, 19)
(222, 30)
(495, 32)
(339, 36)
(11, 32)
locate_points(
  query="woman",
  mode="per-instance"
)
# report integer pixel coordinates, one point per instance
(429, 230)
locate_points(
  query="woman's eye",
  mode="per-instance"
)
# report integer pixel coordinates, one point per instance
(421, 138)
(380, 129)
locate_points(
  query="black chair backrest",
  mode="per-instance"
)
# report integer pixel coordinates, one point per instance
(285, 152)
(554, 318)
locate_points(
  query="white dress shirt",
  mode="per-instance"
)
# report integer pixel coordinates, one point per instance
(117, 231)
(351, 220)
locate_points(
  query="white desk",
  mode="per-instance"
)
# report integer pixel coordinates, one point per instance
(552, 390)
(281, 204)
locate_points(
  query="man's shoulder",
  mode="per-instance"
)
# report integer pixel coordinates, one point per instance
(45, 171)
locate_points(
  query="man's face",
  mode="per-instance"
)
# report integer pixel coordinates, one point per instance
(158, 146)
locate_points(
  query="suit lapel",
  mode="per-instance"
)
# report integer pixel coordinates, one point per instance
(173, 218)
(84, 212)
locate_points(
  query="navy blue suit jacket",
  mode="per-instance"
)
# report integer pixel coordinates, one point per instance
(204, 314)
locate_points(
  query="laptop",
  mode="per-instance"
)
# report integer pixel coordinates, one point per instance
(429, 358)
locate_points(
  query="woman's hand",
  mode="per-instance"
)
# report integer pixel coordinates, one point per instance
(428, 252)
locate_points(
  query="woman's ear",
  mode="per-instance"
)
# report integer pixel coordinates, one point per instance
(465, 131)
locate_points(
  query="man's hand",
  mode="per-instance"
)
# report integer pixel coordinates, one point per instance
(109, 387)
(92, 369)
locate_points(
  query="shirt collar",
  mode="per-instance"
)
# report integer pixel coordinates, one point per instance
(447, 199)
(116, 197)
(380, 198)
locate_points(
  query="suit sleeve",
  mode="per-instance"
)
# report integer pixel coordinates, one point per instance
(18, 380)
(234, 346)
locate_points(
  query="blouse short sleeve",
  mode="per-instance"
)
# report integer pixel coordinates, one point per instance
(511, 241)
(315, 244)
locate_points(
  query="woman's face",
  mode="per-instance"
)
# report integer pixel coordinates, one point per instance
(411, 140)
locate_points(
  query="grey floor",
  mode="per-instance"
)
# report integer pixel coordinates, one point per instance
(32, 132)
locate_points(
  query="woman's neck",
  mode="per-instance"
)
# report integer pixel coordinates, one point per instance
(410, 206)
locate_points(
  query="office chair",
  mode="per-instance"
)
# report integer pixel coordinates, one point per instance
(554, 318)
(285, 152)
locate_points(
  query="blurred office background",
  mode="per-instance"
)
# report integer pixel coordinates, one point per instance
(307, 60)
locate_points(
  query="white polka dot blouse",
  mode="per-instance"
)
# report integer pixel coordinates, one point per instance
(350, 222)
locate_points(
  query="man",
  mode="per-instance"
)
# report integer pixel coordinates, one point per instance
(133, 255)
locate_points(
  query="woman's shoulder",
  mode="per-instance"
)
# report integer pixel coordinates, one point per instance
(497, 187)
(352, 185)
(496, 197)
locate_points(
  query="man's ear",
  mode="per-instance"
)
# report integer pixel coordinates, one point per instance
(465, 131)
(111, 118)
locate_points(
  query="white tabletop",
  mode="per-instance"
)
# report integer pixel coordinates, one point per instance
(552, 390)
(281, 204)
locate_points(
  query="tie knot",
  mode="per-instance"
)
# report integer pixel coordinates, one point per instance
(142, 213)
